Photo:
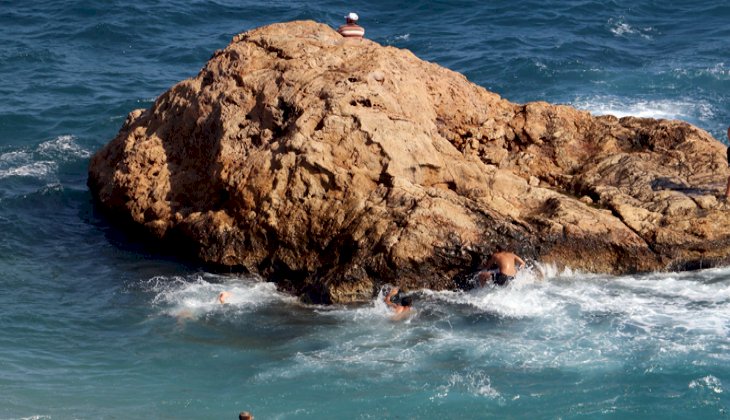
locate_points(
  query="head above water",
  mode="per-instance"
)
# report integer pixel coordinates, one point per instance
(406, 301)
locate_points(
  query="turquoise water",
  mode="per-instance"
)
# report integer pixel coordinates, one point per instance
(96, 325)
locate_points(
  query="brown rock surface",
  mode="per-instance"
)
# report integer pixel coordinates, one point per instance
(335, 165)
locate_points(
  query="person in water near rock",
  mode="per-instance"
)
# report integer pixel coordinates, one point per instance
(400, 304)
(351, 29)
(500, 268)
(727, 188)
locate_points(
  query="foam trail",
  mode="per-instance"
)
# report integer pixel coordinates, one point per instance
(39, 170)
(525, 296)
(659, 108)
(545, 318)
(595, 320)
(476, 383)
(622, 29)
(708, 382)
(377, 311)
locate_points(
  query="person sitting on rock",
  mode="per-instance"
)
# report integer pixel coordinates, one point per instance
(400, 304)
(501, 268)
(351, 29)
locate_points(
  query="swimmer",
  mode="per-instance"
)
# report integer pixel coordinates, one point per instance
(402, 306)
(223, 296)
(501, 268)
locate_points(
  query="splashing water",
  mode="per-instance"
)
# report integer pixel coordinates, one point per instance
(566, 327)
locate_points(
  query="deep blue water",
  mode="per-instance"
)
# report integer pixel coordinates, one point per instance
(95, 325)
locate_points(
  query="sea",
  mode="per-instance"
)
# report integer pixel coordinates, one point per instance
(98, 324)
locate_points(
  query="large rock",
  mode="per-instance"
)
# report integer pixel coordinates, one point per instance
(335, 165)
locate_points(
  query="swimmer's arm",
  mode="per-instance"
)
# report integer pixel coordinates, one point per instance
(390, 294)
(521, 263)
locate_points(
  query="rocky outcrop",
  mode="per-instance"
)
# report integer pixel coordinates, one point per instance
(334, 165)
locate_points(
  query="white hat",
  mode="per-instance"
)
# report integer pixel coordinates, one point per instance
(352, 16)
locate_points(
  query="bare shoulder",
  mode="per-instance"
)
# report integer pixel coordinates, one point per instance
(402, 315)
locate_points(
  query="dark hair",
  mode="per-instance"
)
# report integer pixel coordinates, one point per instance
(406, 301)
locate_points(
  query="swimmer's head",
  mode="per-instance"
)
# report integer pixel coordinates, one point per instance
(406, 301)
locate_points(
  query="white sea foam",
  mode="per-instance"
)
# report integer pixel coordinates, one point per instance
(673, 313)
(12, 162)
(41, 170)
(63, 148)
(521, 298)
(525, 296)
(658, 304)
(546, 318)
(12, 158)
(41, 163)
(621, 29)
(198, 296)
(593, 322)
(476, 383)
(708, 382)
(719, 72)
(660, 108)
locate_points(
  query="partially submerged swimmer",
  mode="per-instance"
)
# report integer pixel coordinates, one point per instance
(402, 306)
(223, 297)
(501, 268)
(351, 29)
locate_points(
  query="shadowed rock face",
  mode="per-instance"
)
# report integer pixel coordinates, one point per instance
(335, 165)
